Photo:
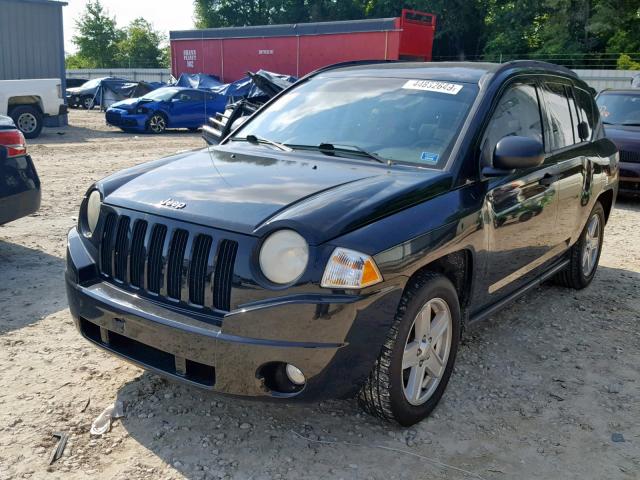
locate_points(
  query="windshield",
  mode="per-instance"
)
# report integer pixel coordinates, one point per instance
(161, 94)
(397, 119)
(92, 83)
(620, 108)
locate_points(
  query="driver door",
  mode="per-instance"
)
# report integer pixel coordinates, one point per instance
(521, 206)
(187, 109)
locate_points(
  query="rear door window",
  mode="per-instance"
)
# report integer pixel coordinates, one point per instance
(559, 112)
(517, 113)
(575, 115)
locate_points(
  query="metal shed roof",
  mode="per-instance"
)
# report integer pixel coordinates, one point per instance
(289, 29)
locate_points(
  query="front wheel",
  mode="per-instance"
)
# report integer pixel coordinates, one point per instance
(157, 123)
(87, 103)
(417, 359)
(584, 256)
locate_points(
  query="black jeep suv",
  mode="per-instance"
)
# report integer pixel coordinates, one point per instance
(337, 242)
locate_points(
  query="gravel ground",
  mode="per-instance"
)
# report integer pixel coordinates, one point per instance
(541, 390)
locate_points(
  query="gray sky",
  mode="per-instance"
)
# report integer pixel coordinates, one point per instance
(165, 16)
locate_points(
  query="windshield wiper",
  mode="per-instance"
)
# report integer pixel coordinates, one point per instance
(331, 149)
(631, 124)
(261, 141)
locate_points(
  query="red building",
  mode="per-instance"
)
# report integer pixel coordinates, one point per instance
(297, 49)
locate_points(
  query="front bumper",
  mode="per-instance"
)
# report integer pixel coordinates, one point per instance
(125, 119)
(629, 178)
(213, 354)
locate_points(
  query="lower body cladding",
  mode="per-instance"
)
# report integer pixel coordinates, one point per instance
(210, 354)
(629, 178)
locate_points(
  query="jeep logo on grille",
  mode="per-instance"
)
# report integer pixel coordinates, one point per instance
(171, 203)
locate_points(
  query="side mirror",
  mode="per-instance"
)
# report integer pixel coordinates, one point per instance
(4, 153)
(583, 131)
(518, 153)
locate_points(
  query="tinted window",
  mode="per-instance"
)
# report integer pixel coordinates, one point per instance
(561, 128)
(399, 119)
(587, 111)
(517, 113)
(575, 116)
(190, 96)
(620, 108)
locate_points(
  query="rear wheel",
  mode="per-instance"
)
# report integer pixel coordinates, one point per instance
(28, 119)
(417, 359)
(157, 123)
(584, 256)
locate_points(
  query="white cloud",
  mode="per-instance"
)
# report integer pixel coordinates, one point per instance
(165, 16)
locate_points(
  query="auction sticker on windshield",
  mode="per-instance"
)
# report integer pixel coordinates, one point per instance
(432, 86)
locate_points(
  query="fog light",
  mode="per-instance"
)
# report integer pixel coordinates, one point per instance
(295, 374)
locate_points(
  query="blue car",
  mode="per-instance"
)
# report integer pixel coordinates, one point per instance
(168, 107)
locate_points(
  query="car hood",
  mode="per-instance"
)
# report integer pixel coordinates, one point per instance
(73, 90)
(625, 137)
(127, 104)
(253, 193)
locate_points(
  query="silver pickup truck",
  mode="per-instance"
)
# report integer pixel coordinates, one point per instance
(33, 104)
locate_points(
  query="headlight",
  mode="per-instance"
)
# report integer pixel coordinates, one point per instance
(349, 269)
(93, 211)
(284, 256)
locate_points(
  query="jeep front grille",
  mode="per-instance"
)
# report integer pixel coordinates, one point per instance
(174, 265)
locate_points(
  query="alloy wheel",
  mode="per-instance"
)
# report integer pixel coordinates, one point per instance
(426, 351)
(157, 124)
(591, 245)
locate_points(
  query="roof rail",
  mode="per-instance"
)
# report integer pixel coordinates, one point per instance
(537, 64)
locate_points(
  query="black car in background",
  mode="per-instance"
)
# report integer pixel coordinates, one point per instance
(337, 242)
(19, 182)
(88, 94)
(620, 111)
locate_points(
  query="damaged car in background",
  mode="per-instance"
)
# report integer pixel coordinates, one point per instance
(338, 240)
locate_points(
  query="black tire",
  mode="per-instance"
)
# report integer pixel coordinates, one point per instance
(28, 119)
(383, 394)
(157, 123)
(575, 275)
(87, 103)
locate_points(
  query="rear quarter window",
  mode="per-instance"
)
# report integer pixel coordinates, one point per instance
(586, 107)
(559, 113)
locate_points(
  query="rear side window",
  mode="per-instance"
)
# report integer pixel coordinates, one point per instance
(517, 113)
(585, 106)
(575, 116)
(561, 126)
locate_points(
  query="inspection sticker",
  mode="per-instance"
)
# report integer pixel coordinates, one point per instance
(433, 86)
(429, 157)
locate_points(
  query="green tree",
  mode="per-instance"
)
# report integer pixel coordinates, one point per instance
(141, 46)
(75, 60)
(97, 36)
(513, 28)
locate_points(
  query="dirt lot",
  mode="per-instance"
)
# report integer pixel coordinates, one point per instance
(538, 390)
